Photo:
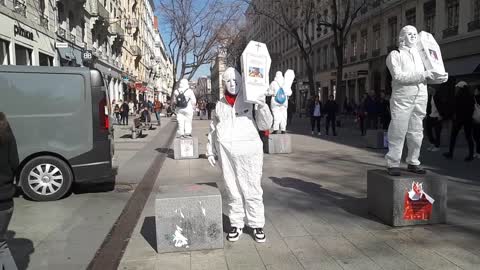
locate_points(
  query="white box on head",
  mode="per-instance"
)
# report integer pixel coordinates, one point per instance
(256, 63)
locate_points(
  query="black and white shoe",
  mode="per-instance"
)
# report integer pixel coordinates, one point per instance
(234, 234)
(259, 235)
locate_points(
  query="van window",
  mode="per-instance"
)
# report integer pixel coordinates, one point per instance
(41, 93)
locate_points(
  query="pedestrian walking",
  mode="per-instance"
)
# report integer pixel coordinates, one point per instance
(315, 110)
(125, 112)
(331, 109)
(464, 107)
(433, 121)
(210, 107)
(131, 107)
(361, 115)
(476, 124)
(8, 165)
(116, 111)
(158, 109)
(384, 104)
(290, 110)
(371, 110)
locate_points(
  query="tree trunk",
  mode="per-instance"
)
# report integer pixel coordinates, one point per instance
(340, 87)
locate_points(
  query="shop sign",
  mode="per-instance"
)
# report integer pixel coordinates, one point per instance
(17, 30)
(61, 45)
(139, 85)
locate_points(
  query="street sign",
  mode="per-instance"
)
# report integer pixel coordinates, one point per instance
(87, 55)
(61, 45)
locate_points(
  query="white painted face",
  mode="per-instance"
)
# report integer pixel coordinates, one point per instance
(409, 35)
(232, 80)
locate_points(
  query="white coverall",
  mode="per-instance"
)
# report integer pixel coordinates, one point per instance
(234, 138)
(408, 105)
(185, 115)
(279, 110)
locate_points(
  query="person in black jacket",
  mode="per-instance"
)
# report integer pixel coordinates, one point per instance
(315, 112)
(331, 109)
(433, 121)
(8, 165)
(464, 106)
(476, 125)
(124, 111)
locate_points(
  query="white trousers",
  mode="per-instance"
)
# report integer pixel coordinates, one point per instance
(242, 164)
(279, 118)
(184, 122)
(407, 123)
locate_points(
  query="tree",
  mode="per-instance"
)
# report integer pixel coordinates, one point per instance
(194, 32)
(297, 17)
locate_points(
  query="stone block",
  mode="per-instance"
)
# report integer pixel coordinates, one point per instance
(376, 138)
(188, 217)
(279, 144)
(388, 198)
(185, 148)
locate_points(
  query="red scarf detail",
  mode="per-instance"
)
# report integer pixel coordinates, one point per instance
(230, 98)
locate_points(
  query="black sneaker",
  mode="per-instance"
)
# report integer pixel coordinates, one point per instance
(394, 171)
(234, 234)
(416, 169)
(259, 235)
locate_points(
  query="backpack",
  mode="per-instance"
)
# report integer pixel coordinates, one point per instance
(280, 96)
(181, 100)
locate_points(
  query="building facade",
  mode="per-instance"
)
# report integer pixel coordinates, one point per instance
(217, 68)
(117, 37)
(455, 25)
(27, 33)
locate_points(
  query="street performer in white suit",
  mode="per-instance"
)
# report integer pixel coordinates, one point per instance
(408, 103)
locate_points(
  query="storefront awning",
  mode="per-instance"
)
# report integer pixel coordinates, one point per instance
(463, 66)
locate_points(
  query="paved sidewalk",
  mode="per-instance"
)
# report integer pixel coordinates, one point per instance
(315, 204)
(65, 234)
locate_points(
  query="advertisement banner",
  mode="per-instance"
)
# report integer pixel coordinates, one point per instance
(417, 203)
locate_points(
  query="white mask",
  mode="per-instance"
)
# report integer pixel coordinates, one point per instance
(183, 85)
(232, 80)
(408, 36)
(279, 78)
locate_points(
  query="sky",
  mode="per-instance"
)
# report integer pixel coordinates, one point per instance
(203, 70)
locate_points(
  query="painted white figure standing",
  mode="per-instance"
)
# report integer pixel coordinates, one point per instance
(280, 97)
(234, 139)
(408, 102)
(184, 113)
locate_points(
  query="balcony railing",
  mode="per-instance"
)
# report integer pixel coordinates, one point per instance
(116, 29)
(450, 32)
(98, 10)
(136, 51)
(474, 25)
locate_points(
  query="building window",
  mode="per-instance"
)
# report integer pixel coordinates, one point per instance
(319, 60)
(476, 10)
(376, 37)
(429, 16)
(41, 6)
(410, 17)
(364, 41)
(452, 13)
(45, 60)
(325, 56)
(354, 45)
(4, 53)
(392, 31)
(23, 56)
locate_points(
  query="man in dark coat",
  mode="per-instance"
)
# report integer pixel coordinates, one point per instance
(8, 165)
(331, 109)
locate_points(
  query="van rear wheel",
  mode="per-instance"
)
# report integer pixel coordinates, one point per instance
(46, 178)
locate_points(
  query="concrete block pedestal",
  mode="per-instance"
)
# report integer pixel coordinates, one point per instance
(389, 201)
(279, 144)
(188, 217)
(185, 148)
(376, 138)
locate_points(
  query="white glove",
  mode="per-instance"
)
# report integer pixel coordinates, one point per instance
(428, 75)
(211, 160)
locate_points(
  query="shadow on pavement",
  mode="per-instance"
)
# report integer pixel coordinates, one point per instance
(352, 205)
(21, 250)
(103, 185)
(168, 151)
(149, 232)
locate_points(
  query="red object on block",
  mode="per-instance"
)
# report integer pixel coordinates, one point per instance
(417, 209)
